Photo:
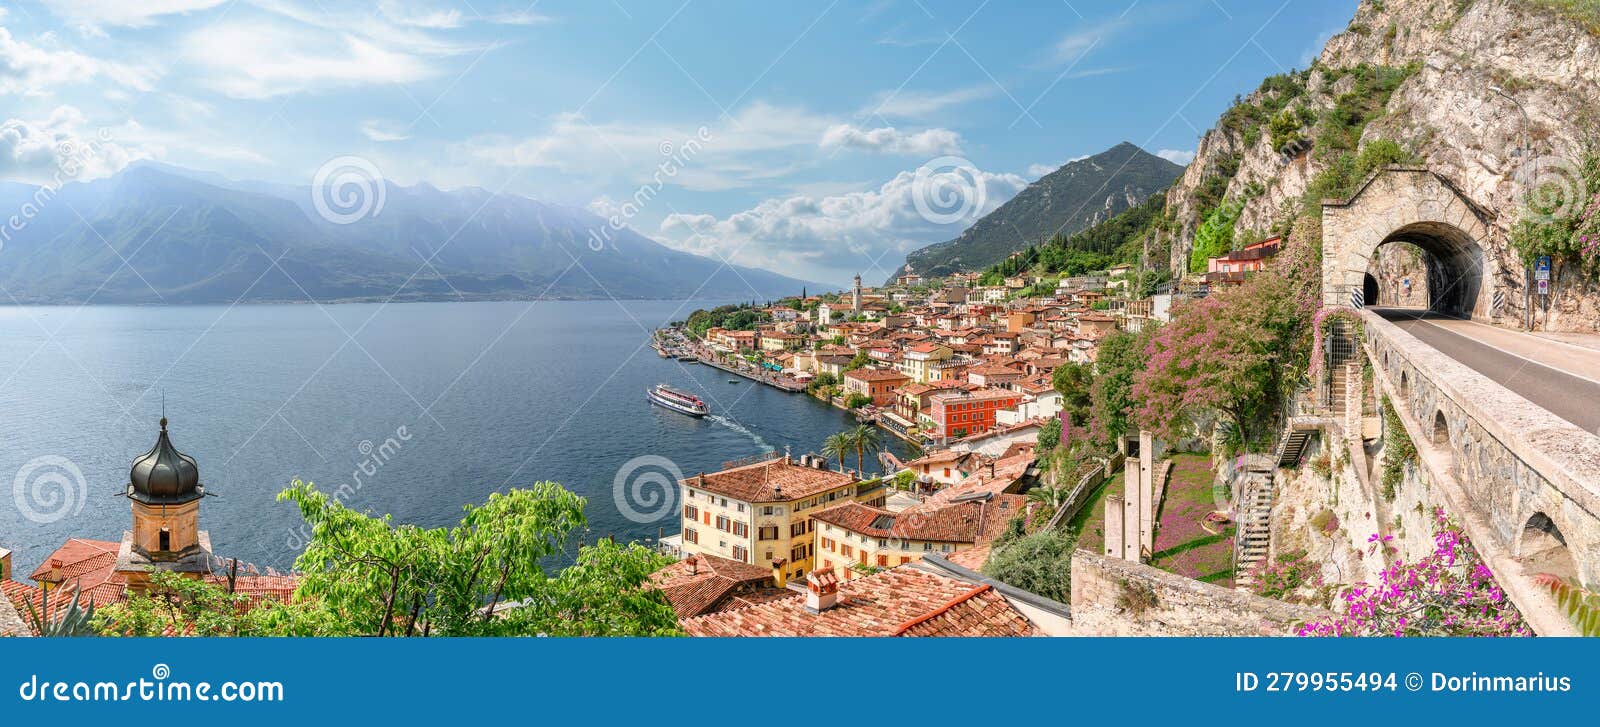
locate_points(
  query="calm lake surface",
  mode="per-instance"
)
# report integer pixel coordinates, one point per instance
(472, 398)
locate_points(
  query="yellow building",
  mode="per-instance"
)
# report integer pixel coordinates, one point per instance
(760, 513)
(853, 539)
(920, 358)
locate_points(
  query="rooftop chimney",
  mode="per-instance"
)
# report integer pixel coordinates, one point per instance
(822, 590)
(780, 572)
(55, 570)
(694, 565)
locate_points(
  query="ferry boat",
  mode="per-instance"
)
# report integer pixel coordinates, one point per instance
(678, 401)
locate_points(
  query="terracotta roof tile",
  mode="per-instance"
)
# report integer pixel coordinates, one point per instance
(776, 480)
(902, 601)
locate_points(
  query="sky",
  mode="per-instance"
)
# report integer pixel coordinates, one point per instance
(815, 139)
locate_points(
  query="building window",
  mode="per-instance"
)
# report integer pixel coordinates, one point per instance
(883, 561)
(740, 554)
(690, 536)
(722, 523)
(741, 530)
(691, 513)
(797, 529)
(927, 546)
(846, 551)
(767, 532)
(766, 510)
(740, 507)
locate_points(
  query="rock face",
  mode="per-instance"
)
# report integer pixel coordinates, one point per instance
(1445, 113)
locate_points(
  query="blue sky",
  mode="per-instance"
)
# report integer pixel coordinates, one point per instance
(808, 121)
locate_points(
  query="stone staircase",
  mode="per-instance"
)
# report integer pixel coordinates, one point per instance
(1253, 521)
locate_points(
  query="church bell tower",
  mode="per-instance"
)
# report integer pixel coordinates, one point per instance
(165, 491)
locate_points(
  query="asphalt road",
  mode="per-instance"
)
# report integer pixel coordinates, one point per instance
(1573, 398)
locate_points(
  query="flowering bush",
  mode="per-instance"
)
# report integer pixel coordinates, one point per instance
(1449, 592)
(1283, 576)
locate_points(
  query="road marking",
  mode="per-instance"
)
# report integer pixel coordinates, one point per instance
(1512, 354)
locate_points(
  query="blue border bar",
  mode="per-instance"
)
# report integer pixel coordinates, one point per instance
(723, 681)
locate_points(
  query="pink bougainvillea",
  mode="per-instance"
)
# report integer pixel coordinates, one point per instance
(1449, 592)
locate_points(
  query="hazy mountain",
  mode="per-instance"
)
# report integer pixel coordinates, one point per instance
(158, 234)
(1076, 196)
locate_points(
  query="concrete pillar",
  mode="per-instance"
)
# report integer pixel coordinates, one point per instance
(1131, 538)
(1113, 527)
(1147, 490)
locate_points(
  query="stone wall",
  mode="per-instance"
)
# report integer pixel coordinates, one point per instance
(1115, 597)
(1496, 462)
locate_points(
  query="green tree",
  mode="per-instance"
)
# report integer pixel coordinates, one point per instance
(1120, 358)
(1050, 435)
(861, 359)
(1075, 381)
(837, 446)
(177, 605)
(1039, 563)
(865, 440)
(386, 579)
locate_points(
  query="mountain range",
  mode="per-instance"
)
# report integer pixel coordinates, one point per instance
(159, 234)
(1076, 196)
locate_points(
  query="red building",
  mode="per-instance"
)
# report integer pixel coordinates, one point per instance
(958, 414)
(1232, 267)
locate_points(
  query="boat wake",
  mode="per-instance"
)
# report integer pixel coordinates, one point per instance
(742, 429)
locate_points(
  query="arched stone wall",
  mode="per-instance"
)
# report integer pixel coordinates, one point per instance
(1497, 481)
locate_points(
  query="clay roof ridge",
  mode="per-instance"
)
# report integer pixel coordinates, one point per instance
(952, 603)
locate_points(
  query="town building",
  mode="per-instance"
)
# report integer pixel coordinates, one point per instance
(854, 540)
(958, 414)
(877, 384)
(760, 512)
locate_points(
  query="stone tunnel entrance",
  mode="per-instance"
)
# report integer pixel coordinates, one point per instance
(1408, 219)
(1451, 262)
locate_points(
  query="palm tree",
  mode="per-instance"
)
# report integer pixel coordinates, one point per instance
(837, 446)
(1051, 497)
(865, 439)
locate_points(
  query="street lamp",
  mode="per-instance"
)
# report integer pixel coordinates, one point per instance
(1522, 172)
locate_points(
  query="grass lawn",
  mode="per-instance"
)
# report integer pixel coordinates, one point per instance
(1183, 546)
(1090, 521)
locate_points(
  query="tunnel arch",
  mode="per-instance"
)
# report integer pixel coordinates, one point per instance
(1417, 206)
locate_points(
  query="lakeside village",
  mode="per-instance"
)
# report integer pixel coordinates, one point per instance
(1008, 518)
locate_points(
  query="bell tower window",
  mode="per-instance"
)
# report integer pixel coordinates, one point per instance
(166, 540)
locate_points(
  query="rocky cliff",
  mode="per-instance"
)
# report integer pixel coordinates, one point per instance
(1423, 74)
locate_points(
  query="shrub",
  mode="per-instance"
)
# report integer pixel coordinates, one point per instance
(1039, 563)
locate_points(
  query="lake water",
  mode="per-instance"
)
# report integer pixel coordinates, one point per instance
(471, 398)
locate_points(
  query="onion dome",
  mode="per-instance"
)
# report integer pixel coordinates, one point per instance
(164, 475)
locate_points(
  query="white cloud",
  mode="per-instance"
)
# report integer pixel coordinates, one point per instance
(761, 142)
(379, 130)
(31, 70)
(917, 104)
(256, 60)
(1039, 170)
(90, 15)
(420, 15)
(1074, 45)
(1177, 156)
(889, 140)
(60, 148)
(828, 237)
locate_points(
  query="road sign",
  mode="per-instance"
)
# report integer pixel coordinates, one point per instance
(1541, 269)
(1544, 287)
